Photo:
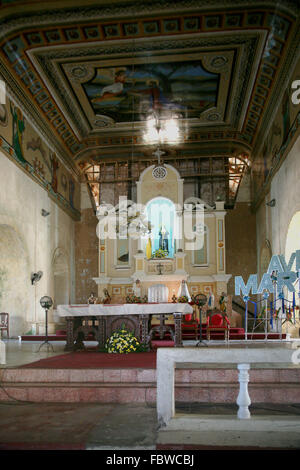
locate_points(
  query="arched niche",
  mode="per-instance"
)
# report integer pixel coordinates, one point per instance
(61, 278)
(161, 212)
(14, 279)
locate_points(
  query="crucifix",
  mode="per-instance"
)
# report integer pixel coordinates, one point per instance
(160, 268)
(158, 153)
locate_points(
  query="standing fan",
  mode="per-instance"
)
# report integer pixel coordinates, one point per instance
(35, 277)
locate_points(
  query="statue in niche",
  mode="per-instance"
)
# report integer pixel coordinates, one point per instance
(163, 239)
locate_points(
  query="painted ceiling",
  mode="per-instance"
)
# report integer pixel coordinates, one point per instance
(91, 76)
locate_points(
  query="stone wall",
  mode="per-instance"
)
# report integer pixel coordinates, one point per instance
(240, 225)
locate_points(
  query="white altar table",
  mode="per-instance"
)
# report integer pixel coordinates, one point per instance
(101, 319)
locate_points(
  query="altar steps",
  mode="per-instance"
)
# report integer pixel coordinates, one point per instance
(210, 384)
(187, 334)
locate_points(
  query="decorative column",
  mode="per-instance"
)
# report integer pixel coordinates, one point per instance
(70, 334)
(102, 281)
(220, 237)
(139, 266)
(178, 331)
(243, 399)
(221, 278)
(179, 266)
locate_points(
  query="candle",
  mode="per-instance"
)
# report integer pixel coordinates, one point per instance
(271, 310)
(282, 302)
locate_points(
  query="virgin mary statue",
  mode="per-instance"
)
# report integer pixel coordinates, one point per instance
(163, 239)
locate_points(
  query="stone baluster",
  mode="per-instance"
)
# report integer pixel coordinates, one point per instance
(2, 352)
(243, 399)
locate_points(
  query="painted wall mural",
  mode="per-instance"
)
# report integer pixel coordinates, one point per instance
(18, 129)
(21, 142)
(3, 115)
(125, 94)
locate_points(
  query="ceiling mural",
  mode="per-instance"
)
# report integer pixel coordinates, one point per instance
(130, 90)
(91, 76)
(174, 88)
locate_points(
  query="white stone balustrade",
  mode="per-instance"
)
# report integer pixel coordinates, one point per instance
(168, 358)
(2, 352)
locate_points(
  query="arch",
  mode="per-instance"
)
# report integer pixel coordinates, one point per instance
(61, 277)
(14, 279)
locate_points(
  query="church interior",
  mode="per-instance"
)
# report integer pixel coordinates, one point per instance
(149, 158)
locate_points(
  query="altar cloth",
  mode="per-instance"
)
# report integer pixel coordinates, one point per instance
(123, 309)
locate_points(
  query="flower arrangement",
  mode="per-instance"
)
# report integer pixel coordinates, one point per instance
(123, 341)
(183, 299)
(199, 299)
(160, 253)
(133, 299)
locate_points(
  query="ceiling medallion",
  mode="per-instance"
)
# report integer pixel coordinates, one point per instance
(214, 117)
(103, 121)
(159, 172)
(79, 72)
(219, 61)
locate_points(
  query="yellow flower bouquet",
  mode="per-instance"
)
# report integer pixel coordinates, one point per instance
(123, 341)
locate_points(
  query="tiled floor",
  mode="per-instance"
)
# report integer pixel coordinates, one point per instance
(94, 425)
(19, 353)
(99, 426)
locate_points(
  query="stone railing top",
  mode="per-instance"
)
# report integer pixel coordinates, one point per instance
(249, 355)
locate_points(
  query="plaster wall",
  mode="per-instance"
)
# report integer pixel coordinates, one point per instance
(86, 249)
(28, 242)
(211, 268)
(285, 189)
(152, 188)
(273, 222)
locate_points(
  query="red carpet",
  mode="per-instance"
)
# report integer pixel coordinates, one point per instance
(95, 360)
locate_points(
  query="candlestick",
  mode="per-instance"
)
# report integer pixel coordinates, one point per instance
(271, 314)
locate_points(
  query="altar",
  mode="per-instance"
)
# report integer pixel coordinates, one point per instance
(161, 239)
(103, 319)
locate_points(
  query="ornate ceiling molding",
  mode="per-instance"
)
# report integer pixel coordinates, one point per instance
(73, 35)
(56, 66)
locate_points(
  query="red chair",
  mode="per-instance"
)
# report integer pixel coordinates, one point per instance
(217, 321)
(190, 323)
(4, 323)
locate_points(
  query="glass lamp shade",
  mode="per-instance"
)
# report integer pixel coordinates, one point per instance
(46, 302)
